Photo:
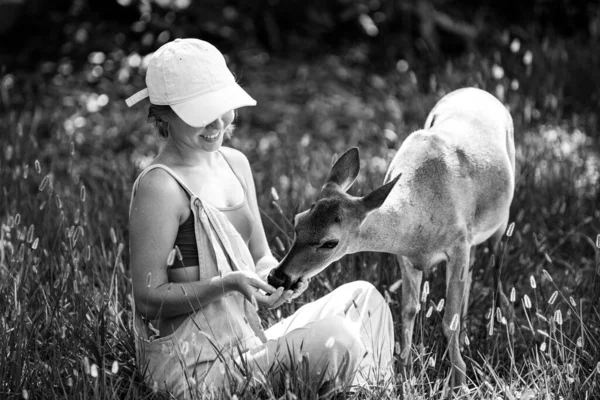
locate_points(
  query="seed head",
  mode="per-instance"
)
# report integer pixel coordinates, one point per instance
(274, 194)
(547, 275)
(513, 295)
(454, 323)
(572, 301)
(510, 229)
(115, 367)
(532, 282)
(527, 301)
(553, 297)
(440, 305)
(429, 312)
(558, 317)
(543, 346)
(171, 257)
(94, 371)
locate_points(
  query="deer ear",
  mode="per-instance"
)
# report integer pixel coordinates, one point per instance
(376, 198)
(345, 170)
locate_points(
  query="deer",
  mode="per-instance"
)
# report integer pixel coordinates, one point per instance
(448, 188)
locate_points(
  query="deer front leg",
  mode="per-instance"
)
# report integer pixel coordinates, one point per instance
(457, 272)
(411, 287)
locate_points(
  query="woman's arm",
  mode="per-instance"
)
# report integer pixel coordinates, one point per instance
(258, 245)
(159, 206)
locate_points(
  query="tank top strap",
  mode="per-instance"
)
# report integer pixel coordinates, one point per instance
(240, 178)
(166, 169)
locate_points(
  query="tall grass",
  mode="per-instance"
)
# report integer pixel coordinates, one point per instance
(66, 171)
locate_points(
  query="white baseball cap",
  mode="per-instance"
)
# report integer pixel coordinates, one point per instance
(191, 76)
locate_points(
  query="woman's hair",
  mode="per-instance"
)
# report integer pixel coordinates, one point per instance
(160, 116)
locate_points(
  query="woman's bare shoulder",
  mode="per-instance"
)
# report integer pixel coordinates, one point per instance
(159, 186)
(238, 159)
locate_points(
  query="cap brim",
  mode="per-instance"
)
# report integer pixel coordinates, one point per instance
(206, 108)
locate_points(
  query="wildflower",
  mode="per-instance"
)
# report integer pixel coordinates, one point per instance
(58, 202)
(432, 361)
(579, 342)
(87, 253)
(82, 193)
(467, 341)
(543, 333)
(274, 194)
(527, 301)
(69, 382)
(115, 367)
(454, 323)
(513, 295)
(30, 234)
(541, 316)
(532, 282)
(558, 317)
(171, 257)
(510, 230)
(86, 365)
(25, 394)
(113, 235)
(547, 275)
(425, 290)
(440, 305)
(572, 301)
(543, 346)
(38, 167)
(397, 348)
(44, 183)
(429, 312)
(553, 297)
(94, 371)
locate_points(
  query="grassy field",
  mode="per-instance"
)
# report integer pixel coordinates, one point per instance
(70, 151)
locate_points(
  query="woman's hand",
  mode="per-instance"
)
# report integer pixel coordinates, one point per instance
(251, 286)
(300, 287)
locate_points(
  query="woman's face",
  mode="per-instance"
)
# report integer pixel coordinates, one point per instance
(207, 138)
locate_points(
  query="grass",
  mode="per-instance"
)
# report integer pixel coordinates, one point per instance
(68, 158)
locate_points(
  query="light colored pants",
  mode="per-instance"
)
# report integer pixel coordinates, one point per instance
(347, 337)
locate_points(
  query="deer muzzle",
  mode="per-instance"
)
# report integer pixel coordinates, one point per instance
(277, 278)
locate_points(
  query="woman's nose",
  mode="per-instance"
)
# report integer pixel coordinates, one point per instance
(217, 123)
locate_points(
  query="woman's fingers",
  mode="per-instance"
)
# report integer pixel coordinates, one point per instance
(260, 284)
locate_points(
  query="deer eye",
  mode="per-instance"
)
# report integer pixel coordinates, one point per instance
(330, 244)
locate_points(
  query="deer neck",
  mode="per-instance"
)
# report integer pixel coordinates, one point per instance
(382, 231)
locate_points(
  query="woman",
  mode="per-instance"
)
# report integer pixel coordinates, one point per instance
(200, 257)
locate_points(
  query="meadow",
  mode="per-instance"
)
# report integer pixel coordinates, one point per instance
(70, 151)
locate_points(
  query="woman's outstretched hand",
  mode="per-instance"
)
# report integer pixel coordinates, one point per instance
(300, 287)
(251, 286)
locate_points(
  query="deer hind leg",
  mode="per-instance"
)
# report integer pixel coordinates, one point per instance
(411, 287)
(465, 307)
(457, 272)
(495, 248)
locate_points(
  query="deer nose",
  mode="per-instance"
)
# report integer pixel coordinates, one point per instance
(278, 278)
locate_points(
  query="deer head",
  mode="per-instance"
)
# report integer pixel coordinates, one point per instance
(326, 232)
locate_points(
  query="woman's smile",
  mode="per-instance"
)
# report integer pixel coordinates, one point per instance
(211, 137)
